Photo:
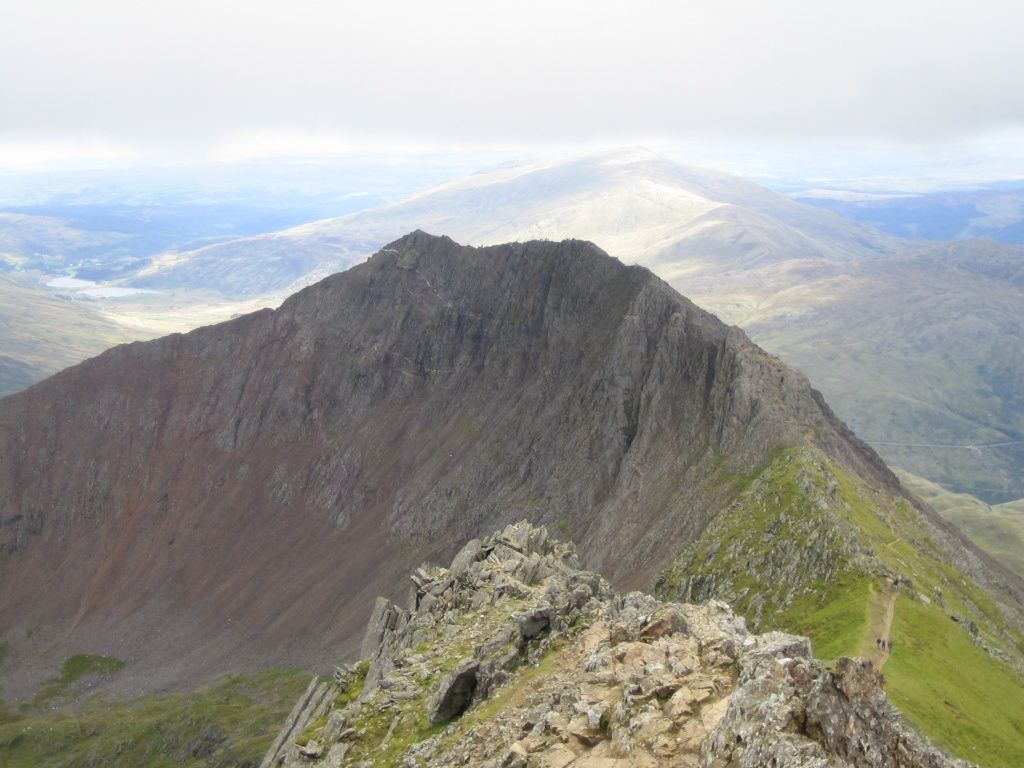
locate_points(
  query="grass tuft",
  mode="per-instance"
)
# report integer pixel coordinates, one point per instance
(229, 723)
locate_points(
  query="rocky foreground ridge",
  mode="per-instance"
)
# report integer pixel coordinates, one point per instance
(515, 657)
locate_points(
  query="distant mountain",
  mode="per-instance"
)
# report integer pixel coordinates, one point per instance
(917, 345)
(679, 221)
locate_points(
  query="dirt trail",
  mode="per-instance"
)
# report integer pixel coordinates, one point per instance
(880, 607)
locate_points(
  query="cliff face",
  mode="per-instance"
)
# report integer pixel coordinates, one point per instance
(206, 501)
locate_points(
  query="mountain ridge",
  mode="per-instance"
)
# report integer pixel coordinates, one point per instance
(259, 399)
(778, 268)
(802, 281)
(237, 497)
(514, 656)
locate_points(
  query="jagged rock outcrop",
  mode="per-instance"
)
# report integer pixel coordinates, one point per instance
(209, 499)
(514, 657)
(788, 709)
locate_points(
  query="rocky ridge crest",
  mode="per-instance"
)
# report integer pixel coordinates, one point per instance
(306, 458)
(515, 657)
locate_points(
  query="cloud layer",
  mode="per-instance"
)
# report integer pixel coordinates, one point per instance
(197, 75)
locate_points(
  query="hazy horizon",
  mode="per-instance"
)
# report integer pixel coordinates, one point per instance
(793, 90)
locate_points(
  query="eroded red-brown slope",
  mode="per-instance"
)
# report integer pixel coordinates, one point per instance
(238, 495)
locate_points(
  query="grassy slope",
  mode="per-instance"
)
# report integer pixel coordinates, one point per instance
(952, 689)
(999, 530)
(230, 723)
(782, 557)
(1011, 507)
(957, 693)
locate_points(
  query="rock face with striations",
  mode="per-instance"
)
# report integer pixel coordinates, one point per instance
(514, 657)
(206, 501)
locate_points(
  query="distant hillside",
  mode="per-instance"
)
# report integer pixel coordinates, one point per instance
(43, 333)
(677, 220)
(998, 529)
(923, 356)
(993, 211)
(47, 242)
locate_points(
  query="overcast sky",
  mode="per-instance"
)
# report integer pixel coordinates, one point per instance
(220, 78)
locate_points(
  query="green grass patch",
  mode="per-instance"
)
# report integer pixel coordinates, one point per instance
(957, 694)
(353, 690)
(229, 723)
(346, 696)
(74, 669)
(832, 615)
(312, 730)
(384, 734)
(77, 667)
(740, 480)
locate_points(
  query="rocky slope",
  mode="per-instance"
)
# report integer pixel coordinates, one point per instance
(237, 497)
(515, 657)
(203, 502)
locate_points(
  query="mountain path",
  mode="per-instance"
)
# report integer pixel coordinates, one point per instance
(880, 609)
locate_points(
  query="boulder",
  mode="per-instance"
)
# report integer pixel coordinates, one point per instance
(454, 694)
(469, 554)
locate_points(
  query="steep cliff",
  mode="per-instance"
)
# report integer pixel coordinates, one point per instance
(205, 501)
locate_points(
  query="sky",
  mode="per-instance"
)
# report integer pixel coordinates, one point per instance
(224, 80)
